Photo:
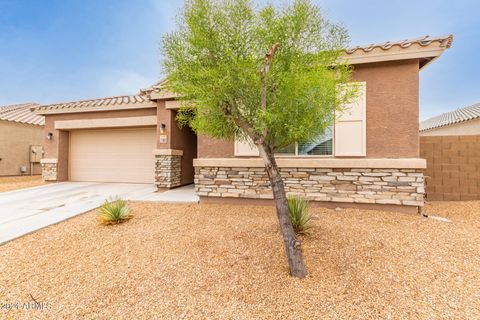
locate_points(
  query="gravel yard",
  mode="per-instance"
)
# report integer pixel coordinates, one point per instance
(227, 262)
(19, 182)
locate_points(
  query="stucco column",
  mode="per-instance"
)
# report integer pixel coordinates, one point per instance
(168, 161)
(55, 158)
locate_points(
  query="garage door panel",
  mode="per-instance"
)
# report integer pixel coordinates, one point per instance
(113, 155)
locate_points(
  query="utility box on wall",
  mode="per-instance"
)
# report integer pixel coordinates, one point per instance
(36, 154)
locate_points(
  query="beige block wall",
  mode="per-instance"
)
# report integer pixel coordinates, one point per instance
(392, 112)
(15, 141)
(453, 167)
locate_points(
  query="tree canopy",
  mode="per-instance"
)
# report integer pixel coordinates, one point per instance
(214, 62)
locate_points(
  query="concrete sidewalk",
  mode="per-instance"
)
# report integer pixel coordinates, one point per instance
(27, 210)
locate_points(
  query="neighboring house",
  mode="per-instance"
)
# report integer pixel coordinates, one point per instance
(21, 131)
(369, 158)
(450, 143)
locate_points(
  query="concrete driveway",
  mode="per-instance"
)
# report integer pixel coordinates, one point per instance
(27, 210)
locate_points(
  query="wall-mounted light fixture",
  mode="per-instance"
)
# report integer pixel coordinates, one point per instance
(163, 126)
(49, 136)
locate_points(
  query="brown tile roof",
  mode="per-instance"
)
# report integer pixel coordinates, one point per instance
(21, 113)
(92, 104)
(452, 117)
(444, 41)
(159, 89)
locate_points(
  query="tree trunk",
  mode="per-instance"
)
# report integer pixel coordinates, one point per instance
(293, 246)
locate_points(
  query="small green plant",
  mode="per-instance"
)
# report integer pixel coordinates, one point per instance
(114, 211)
(299, 215)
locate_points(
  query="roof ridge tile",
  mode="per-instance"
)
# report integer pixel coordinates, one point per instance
(21, 113)
(456, 116)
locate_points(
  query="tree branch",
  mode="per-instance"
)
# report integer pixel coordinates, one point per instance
(239, 122)
(264, 72)
(266, 67)
(232, 112)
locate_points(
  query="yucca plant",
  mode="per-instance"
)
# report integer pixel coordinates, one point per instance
(114, 211)
(299, 215)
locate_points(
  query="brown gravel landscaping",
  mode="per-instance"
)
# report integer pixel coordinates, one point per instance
(19, 182)
(227, 262)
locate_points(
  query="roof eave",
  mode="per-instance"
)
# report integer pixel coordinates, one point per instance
(50, 110)
(426, 53)
(41, 124)
(159, 95)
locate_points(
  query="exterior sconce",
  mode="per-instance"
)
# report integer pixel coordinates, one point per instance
(163, 126)
(49, 136)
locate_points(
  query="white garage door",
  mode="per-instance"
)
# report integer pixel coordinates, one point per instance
(113, 155)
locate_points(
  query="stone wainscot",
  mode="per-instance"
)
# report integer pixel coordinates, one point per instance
(49, 169)
(168, 168)
(392, 186)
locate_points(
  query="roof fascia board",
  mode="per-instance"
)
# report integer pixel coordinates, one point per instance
(393, 56)
(162, 96)
(94, 109)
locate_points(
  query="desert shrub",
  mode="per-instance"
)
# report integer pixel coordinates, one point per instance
(114, 211)
(299, 215)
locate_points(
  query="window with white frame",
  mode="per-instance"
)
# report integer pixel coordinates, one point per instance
(347, 137)
(320, 146)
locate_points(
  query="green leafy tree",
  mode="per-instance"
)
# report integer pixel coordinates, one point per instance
(270, 75)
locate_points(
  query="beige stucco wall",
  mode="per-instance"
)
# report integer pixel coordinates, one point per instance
(467, 128)
(178, 139)
(15, 141)
(391, 115)
(185, 139)
(214, 148)
(52, 146)
(392, 108)
(58, 146)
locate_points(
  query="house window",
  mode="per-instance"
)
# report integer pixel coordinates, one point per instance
(347, 137)
(290, 150)
(321, 146)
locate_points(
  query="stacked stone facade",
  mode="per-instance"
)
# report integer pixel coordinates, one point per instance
(49, 169)
(370, 186)
(168, 171)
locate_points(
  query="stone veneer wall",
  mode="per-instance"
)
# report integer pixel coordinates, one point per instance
(168, 171)
(372, 186)
(49, 169)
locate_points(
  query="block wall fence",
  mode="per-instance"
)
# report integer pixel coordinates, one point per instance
(453, 167)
